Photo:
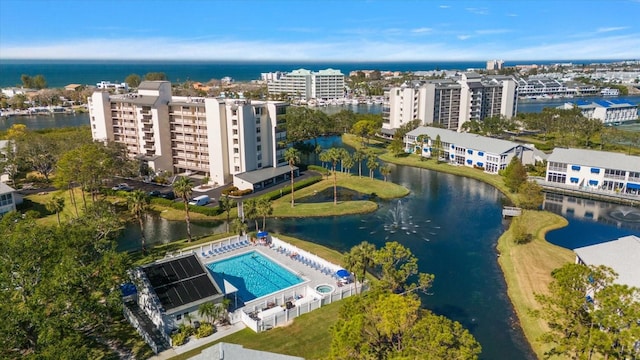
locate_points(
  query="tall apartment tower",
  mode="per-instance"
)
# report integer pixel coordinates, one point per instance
(304, 84)
(206, 136)
(495, 64)
(450, 103)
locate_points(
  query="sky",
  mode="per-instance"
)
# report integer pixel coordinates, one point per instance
(320, 30)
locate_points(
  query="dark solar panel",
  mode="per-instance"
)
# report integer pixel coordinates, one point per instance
(180, 281)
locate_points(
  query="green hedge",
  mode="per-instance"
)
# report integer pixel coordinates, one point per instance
(179, 205)
(276, 194)
(319, 169)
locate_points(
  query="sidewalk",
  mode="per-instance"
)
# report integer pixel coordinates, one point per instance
(195, 343)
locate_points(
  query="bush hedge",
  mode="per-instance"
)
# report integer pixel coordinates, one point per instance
(319, 169)
(179, 338)
(276, 194)
(204, 330)
(179, 205)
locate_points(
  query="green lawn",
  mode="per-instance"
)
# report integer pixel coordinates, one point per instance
(527, 270)
(306, 336)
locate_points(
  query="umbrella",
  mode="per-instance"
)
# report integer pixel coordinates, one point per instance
(263, 234)
(343, 273)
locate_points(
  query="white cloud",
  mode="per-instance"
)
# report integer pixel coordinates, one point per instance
(492, 31)
(421, 30)
(610, 29)
(444, 6)
(478, 11)
(374, 49)
(512, 15)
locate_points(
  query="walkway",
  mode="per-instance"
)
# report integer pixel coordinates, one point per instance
(196, 343)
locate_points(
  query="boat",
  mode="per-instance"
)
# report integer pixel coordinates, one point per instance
(609, 92)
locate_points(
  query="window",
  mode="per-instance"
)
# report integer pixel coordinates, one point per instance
(259, 148)
(236, 168)
(557, 178)
(178, 317)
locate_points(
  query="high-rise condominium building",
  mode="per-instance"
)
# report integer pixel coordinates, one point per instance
(208, 136)
(449, 103)
(305, 84)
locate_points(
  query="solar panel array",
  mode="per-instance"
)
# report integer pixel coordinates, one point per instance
(180, 281)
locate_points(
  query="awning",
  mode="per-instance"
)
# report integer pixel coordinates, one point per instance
(575, 167)
(595, 171)
(469, 161)
(574, 180)
(593, 182)
(343, 273)
(228, 288)
(633, 186)
(481, 164)
(262, 234)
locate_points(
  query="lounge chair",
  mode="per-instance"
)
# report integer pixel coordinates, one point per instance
(204, 254)
(211, 253)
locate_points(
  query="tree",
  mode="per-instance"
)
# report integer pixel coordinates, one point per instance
(56, 205)
(588, 315)
(372, 163)
(39, 152)
(397, 266)
(333, 155)
(250, 208)
(382, 325)
(138, 204)
(421, 140)
(365, 129)
(358, 156)
(359, 259)
(154, 76)
(57, 296)
(183, 188)
(531, 196)
(209, 310)
(292, 156)
(343, 121)
(514, 174)
(396, 146)
(133, 80)
(264, 208)
(226, 204)
(385, 170)
(238, 226)
(9, 161)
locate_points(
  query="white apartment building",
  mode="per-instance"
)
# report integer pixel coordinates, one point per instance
(610, 112)
(304, 84)
(450, 102)
(466, 149)
(495, 64)
(107, 85)
(207, 136)
(590, 169)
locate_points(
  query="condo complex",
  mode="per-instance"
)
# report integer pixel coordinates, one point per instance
(305, 85)
(219, 138)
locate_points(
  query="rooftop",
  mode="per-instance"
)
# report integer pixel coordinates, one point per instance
(4, 188)
(180, 281)
(467, 140)
(621, 255)
(257, 176)
(601, 159)
(151, 85)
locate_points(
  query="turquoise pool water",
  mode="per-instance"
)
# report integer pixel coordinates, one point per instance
(253, 274)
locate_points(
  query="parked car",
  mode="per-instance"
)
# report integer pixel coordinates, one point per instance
(154, 193)
(122, 187)
(201, 200)
(168, 195)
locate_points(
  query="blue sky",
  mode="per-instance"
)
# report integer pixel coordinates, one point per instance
(330, 30)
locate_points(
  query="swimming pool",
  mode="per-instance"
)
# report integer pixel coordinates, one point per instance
(253, 274)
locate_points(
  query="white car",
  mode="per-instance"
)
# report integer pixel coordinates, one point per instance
(122, 187)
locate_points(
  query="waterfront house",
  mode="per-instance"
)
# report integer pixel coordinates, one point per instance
(622, 255)
(7, 199)
(609, 111)
(594, 170)
(466, 149)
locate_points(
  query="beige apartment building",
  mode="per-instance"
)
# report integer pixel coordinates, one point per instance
(220, 138)
(304, 84)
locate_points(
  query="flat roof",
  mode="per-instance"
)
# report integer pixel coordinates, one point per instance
(180, 281)
(257, 176)
(151, 85)
(594, 158)
(467, 140)
(622, 255)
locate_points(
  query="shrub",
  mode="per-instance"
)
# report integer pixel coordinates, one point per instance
(179, 338)
(319, 169)
(204, 330)
(228, 190)
(240, 192)
(275, 194)
(520, 234)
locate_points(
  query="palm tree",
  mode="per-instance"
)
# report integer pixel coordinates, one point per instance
(385, 170)
(56, 204)
(138, 203)
(292, 156)
(238, 226)
(226, 204)
(251, 210)
(347, 164)
(372, 163)
(333, 155)
(360, 258)
(421, 140)
(209, 310)
(264, 208)
(358, 156)
(183, 188)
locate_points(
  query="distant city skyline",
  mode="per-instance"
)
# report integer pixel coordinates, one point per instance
(330, 30)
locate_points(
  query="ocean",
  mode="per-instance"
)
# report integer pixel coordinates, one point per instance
(59, 73)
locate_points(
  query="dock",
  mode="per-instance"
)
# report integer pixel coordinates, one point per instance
(511, 211)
